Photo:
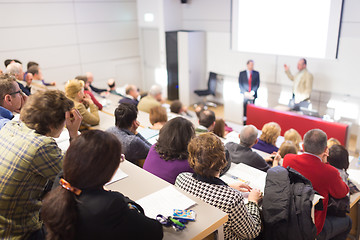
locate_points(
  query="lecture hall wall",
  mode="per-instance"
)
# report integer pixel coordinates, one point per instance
(68, 38)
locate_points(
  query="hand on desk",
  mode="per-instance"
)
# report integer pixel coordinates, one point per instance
(240, 186)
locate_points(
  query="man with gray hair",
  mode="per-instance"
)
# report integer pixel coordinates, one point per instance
(153, 99)
(242, 153)
(326, 180)
(16, 70)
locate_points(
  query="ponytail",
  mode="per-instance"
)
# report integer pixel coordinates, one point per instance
(59, 214)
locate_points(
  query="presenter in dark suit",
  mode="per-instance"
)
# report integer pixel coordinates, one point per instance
(249, 82)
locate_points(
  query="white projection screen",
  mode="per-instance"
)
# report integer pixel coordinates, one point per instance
(306, 28)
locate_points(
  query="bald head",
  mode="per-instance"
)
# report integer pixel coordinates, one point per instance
(132, 90)
(90, 77)
(248, 135)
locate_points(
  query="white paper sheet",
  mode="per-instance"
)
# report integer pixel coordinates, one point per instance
(164, 202)
(253, 177)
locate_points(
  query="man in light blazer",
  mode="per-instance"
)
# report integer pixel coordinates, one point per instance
(303, 81)
(249, 82)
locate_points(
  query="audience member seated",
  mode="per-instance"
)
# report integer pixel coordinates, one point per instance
(74, 89)
(29, 158)
(270, 133)
(287, 147)
(134, 144)
(326, 181)
(90, 78)
(207, 158)
(34, 69)
(169, 156)
(242, 153)
(15, 69)
(178, 108)
(219, 128)
(112, 87)
(153, 99)
(132, 94)
(294, 136)
(11, 98)
(339, 158)
(158, 117)
(206, 121)
(332, 141)
(80, 208)
(87, 90)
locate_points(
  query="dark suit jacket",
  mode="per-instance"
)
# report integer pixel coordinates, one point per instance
(129, 100)
(106, 215)
(244, 82)
(241, 154)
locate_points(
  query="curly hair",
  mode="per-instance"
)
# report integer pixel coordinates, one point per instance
(73, 87)
(44, 110)
(206, 155)
(270, 132)
(173, 139)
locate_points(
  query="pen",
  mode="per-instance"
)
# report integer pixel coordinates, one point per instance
(176, 222)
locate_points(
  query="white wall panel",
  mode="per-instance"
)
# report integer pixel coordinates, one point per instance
(95, 52)
(207, 10)
(61, 74)
(31, 14)
(25, 38)
(47, 57)
(103, 12)
(351, 11)
(107, 31)
(209, 26)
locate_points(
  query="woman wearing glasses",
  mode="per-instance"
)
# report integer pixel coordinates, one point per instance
(80, 208)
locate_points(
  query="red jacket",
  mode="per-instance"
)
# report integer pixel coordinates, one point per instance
(96, 102)
(324, 178)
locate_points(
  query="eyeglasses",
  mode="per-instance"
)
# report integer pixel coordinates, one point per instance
(13, 93)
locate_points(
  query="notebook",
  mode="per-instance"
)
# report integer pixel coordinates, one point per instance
(164, 202)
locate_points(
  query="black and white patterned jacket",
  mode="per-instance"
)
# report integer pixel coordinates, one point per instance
(244, 219)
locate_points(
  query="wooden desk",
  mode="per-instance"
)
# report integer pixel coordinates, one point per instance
(141, 183)
(355, 207)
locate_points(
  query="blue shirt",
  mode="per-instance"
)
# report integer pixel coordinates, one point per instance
(265, 147)
(5, 116)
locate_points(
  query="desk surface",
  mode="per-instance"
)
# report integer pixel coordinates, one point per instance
(141, 183)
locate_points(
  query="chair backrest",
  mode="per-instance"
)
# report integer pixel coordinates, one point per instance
(212, 83)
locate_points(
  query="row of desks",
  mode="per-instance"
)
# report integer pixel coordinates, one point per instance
(140, 183)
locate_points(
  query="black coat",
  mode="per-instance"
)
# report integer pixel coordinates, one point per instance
(287, 205)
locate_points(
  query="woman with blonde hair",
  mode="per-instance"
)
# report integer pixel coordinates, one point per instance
(294, 136)
(270, 133)
(158, 117)
(74, 90)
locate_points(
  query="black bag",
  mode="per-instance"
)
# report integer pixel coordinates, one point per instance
(338, 207)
